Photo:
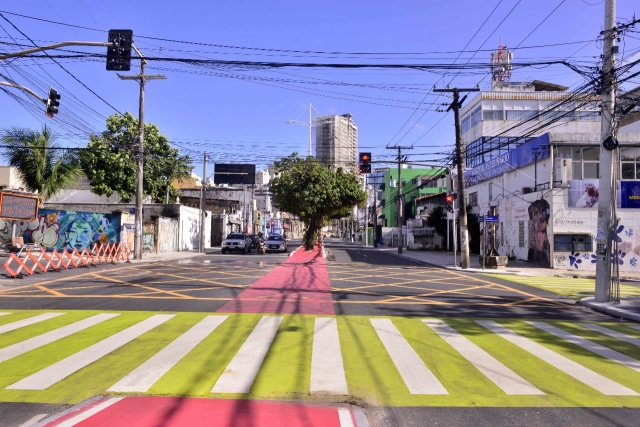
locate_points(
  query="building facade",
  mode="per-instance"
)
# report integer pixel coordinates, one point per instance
(545, 193)
(337, 141)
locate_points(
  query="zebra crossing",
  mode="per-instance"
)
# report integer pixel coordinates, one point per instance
(419, 353)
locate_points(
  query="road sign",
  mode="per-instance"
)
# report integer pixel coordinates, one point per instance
(488, 218)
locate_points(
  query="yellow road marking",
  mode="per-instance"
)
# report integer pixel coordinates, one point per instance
(149, 288)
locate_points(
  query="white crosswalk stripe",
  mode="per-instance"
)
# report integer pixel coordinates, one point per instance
(636, 327)
(598, 349)
(146, 375)
(84, 415)
(242, 370)
(27, 322)
(52, 374)
(417, 377)
(612, 333)
(501, 376)
(52, 336)
(327, 369)
(568, 366)
(4, 313)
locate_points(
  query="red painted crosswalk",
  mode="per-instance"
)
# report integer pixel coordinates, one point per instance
(143, 411)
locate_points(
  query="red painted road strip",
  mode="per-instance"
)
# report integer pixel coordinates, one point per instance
(298, 285)
(149, 411)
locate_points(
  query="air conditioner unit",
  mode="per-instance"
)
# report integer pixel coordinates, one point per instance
(393, 183)
(526, 190)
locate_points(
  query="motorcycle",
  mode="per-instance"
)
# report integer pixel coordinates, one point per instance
(262, 247)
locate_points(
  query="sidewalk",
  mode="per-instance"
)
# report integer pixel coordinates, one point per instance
(628, 308)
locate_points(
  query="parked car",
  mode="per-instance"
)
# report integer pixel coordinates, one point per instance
(276, 242)
(240, 242)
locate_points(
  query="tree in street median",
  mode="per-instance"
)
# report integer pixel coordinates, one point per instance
(315, 193)
(110, 162)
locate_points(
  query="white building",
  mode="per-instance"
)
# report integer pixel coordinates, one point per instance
(337, 140)
(545, 193)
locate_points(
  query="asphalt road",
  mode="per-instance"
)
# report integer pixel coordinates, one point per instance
(364, 281)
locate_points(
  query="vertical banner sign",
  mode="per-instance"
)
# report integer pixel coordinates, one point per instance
(19, 207)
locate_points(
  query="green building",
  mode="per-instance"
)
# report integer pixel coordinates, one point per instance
(416, 182)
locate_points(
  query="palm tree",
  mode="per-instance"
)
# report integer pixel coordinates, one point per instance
(42, 165)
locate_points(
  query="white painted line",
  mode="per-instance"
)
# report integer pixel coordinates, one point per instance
(29, 321)
(4, 314)
(50, 375)
(146, 375)
(89, 412)
(636, 327)
(327, 369)
(242, 370)
(568, 366)
(500, 375)
(417, 377)
(358, 414)
(612, 333)
(31, 421)
(344, 415)
(598, 349)
(52, 336)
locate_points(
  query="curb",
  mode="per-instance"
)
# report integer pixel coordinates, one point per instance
(609, 309)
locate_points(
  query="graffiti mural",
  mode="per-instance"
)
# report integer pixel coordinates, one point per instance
(148, 237)
(67, 229)
(127, 234)
(167, 235)
(539, 216)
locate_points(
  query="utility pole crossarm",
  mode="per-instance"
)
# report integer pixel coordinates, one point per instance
(54, 46)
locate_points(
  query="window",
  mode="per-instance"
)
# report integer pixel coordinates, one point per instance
(501, 234)
(493, 115)
(585, 162)
(572, 243)
(490, 191)
(521, 234)
(473, 198)
(414, 180)
(630, 162)
(521, 114)
(476, 116)
(430, 182)
(466, 124)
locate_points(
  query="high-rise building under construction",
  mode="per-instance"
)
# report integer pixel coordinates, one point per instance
(337, 140)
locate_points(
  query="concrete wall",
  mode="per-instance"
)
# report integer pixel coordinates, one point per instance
(189, 229)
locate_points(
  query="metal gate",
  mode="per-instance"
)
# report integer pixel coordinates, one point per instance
(217, 230)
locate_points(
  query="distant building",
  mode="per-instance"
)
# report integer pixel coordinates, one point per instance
(10, 180)
(337, 140)
(263, 177)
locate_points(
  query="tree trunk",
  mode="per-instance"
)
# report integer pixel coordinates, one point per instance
(310, 234)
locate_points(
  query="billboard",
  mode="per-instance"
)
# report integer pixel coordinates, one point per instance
(234, 173)
(18, 207)
(583, 193)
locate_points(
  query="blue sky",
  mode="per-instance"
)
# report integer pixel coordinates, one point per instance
(239, 115)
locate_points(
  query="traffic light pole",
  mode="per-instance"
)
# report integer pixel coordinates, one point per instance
(53, 46)
(464, 231)
(142, 80)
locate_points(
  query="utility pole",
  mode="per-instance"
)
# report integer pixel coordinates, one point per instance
(464, 230)
(375, 209)
(142, 79)
(400, 205)
(608, 158)
(203, 205)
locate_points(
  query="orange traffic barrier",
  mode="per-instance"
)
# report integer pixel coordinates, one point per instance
(17, 264)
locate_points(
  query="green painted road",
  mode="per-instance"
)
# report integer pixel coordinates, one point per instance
(384, 361)
(575, 288)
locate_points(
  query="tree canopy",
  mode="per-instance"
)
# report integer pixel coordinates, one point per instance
(42, 165)
(110, 161)
(315, 192)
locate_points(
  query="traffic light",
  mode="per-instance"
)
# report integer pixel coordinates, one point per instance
(365, 162)
(53, 101)
(449, 198)
(119, 56)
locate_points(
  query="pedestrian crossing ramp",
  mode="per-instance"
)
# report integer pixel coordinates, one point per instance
(391, 361)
